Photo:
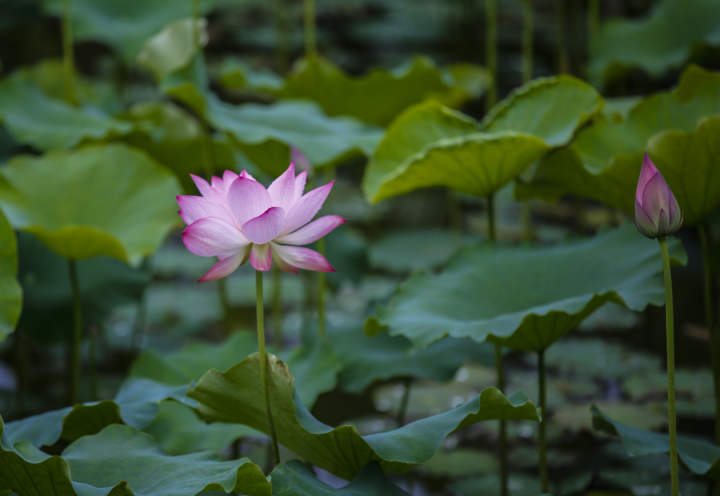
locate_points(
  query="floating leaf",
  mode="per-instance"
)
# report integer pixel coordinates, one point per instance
(296, 479)
(526, 297)
(120, 460)
(235, 396)
(700, 457)
(378, 96)
(429, 145)
(10, 291)
(101, 200)
(36, 119)
(173, 47)
(659, 42)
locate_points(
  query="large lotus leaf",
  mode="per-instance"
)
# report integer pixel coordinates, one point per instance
(125, 25)
(122, 461)
(526, 297)
(549, 108)
(315, 366)
(100, 200)
(297, 479)
(234, 396)
(379, 96)
(663, 40)
(325, 140)
(687, 160)
(366, 359)
(430, 145)
(700, 457)
(173, 47)
(36, 119)
(10, 291)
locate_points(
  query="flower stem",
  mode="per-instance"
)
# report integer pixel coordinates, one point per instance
(259, 306)
(527, 40)
(77, 332)
(310, 37)
(277, 308)
(542, 437)
(401, 416)
(491, 51)
(282, 42)
(68, 55)
(503, 448)
(706, 247)
(593, 18)
(321, 294)
(490, 211)
(560, 15)
(670, 345)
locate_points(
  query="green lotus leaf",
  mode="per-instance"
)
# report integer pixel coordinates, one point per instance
(174, 47)
(700, 457)
(10, 291)
(297, 479)
(100, 200)
(549, 108)
(34, 118)
(526, 297)
(380, 95)
(657, 43)
(430, 145)
(120, 460)
(367, 359)
(123, 25)
(236, 74)
(685, 158)
(235, 396)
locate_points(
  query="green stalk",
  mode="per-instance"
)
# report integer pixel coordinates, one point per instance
(560, 16)
(94, 389)
(77, 332)
(670, 345)
(527, 40)
(277, 308)
(542, 436)
(310, 36)
(68, 55)
(282, 45)
(503, 449)
(321, 294)
(706, 247)
(259, 307)
(491, 51)
(593, 17)
(404, 402)
(490, 211)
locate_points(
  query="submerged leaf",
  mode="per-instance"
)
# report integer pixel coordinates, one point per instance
(526, 297)
(235, 396)
(101, 200)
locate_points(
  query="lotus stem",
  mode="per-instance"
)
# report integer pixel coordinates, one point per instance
(560, 15)
(277, 308)
(490, 211)
(670, 345)
(93, 363)
(527, 40)
(593, 17)
(68, 61)
(542, 434)
(310, 34)
(491, 51)
(282, 45)
(321, 294)
(259, 307)
(77, 332)
(706, 248)
(401, 417)
(503, 448)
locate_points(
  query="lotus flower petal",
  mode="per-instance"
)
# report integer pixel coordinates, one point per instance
(261, 257)
(313, 231)
(282, 189)
(264, 227)
(247, 199)
(226, 266)
(300, 182)
(202, 185)
(193, 208)
(306, 207)
(211, 236)
(298, 158)
(302, 258)
(657, 212)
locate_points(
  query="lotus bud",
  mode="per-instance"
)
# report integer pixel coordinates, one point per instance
(657, 212)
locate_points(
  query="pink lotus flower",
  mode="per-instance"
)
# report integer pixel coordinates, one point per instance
(657, 212)
(237, 218)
